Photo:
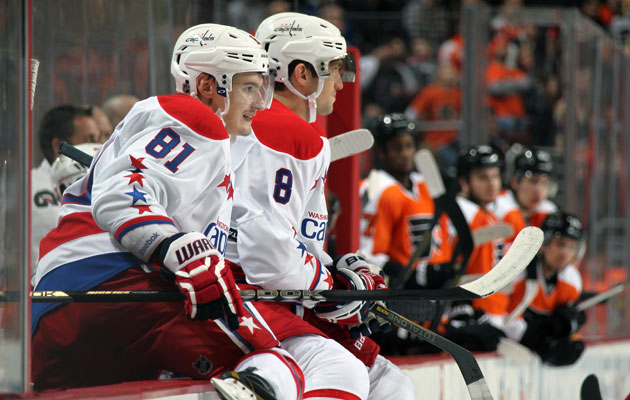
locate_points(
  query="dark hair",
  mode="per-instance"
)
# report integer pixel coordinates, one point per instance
(59, 123)
(279, 86)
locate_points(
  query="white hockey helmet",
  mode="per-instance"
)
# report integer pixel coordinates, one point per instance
(220, 51)
(65, 171)
(293, 36)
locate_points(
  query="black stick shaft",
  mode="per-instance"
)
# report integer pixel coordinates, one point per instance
(248, 295)
(77, 155)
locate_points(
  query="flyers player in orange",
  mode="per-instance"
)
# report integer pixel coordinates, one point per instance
(526, 202)
(397, 206)
(551, 319)
(476, 325)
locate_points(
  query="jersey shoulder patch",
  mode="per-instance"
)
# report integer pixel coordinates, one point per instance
(504, 204)
(282, 130)
(194, 114)
(571, 276)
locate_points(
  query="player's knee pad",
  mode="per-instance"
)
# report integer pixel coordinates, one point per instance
(328, 366)
(279, 370)
(387, 381)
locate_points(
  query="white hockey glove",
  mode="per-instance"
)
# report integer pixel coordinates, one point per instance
(202, 276)
(353, 273)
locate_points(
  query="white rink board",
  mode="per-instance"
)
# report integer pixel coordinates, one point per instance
(610, 362)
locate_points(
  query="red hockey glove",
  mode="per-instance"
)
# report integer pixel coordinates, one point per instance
(202, 276)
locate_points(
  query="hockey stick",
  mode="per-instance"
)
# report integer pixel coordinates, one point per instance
(34, 70)
(468, 366)
(531, 290)
(77, 155)
(521, 252)
(424, 311)
(350, 143)
(489, 233)
(341, 146)
(598, 298)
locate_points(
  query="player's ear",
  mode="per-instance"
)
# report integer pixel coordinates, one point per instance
(301, 77)
(463, 184)
(206, 88)
(514, 183)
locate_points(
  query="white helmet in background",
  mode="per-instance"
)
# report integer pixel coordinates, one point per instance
(66, 171)
(293, 36)
(220, 51)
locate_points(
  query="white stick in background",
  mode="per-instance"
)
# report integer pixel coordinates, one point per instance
(34, 70)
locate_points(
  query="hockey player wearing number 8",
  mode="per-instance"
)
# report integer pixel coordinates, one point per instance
(547, 326)
(156, 203)
(279, 218)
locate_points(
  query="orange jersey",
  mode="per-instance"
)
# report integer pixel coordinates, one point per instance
(394, 218)
(438, 103)
(567, 290)
(484, 257)
(510, 105)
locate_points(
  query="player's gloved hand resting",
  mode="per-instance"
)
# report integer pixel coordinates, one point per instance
(353, 273)
(565, 321)
(202, 276)
(470, 328)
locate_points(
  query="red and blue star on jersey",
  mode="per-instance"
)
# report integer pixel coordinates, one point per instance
(138, 195)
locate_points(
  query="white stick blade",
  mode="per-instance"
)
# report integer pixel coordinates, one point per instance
(522, 251)
(489, 233)
(427, 166)
(350, 143)
(479, 390)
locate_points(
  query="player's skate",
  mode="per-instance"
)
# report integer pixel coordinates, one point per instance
(243, 385)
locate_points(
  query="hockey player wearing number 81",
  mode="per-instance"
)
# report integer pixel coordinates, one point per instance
(280, 215)
(156, 202)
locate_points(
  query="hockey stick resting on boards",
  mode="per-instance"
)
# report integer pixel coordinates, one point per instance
(521, 252)
(341, 146)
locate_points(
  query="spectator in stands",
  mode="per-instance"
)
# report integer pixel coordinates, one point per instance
(389, 82)
(68, 123)
(426, 19)
(506, 86)
(551, 318)
(439, 103)
(422, 62)
(116, 107)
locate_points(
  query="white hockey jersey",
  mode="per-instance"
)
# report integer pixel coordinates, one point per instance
(44, 206)
(166, 169)
(279, 217)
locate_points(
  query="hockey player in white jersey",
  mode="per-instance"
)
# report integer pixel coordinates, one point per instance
(157, 202)
(279, 218)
